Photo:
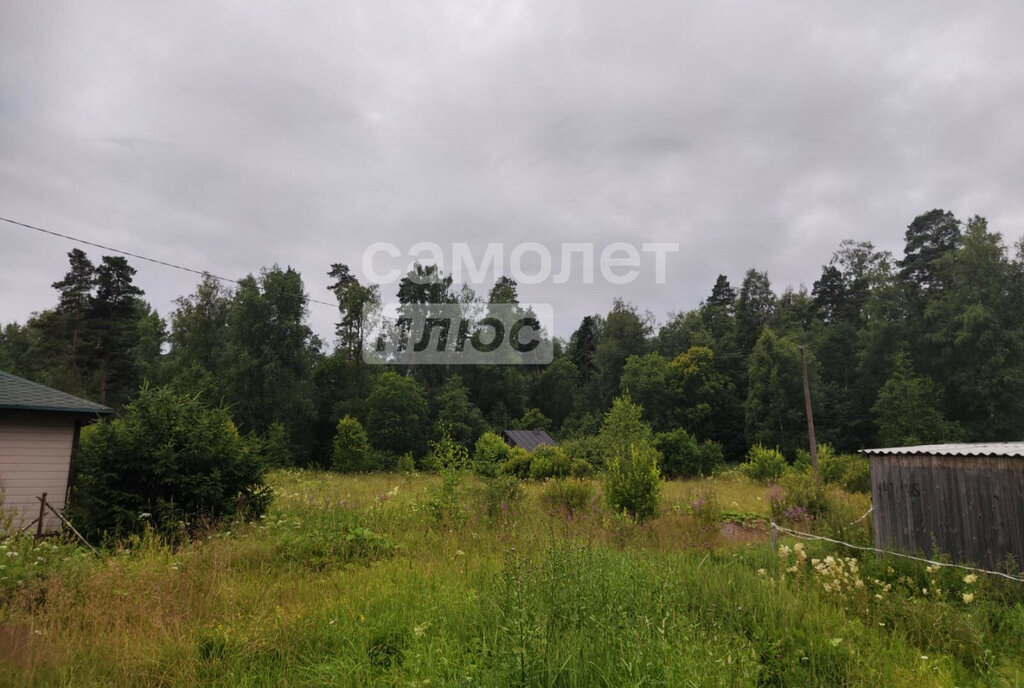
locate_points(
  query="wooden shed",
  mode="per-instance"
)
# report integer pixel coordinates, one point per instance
(527, 439)
(39, 428)
(962, 500)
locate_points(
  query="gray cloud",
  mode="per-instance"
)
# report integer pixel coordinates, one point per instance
(229, 137)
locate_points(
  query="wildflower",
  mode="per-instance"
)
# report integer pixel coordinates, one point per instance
(933, 568)
(970, 578)
(145, 515)
(784, 551)
(12, 554)
(762, 573)
(968, 597)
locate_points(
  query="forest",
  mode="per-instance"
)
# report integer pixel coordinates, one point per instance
(923, 347)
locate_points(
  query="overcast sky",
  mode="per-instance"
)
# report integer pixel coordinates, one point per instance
(227, 136)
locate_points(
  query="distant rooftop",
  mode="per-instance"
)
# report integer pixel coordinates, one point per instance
(968, 449)
(527, 439)
(25, 395)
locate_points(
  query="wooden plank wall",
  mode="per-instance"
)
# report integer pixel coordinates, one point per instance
(969, 508)
(35, 452)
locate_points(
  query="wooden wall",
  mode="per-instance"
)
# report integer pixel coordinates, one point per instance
(35, 453)
(967, 507)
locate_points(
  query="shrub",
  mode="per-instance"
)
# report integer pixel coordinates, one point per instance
(406, 464)
(633, 482)
(489, 453)
(501, 495)
(352, 452)
(566, 494)
(446, 452)
(849, 471)
(799, 497)
(169, 456)
(549, 462)
(587, 449)
(518, 463)
(684, 457)
(764, 464)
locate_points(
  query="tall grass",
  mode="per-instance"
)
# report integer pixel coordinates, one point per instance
(361, 581)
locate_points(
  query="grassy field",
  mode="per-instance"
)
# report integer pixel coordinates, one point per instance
(416, 580)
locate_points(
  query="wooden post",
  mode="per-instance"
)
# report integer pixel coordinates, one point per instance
(810, 417)
(42, 513)
(775, 535)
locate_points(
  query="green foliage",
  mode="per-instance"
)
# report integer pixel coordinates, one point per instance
(463, 419)
(275, 446)
(587, 449)
(446, 453)
(623, 427)
(533, 419)
(352, 452)
(502, 496)
(489, 453)
(396, 414)
(169, 456)
(518, 463)
(549, 462)
(763, 464)
(633, 482)
(852, 472)
(567, 495)
(908, 410)
(800, 498)
(406, 463)
(775, 401)
(684, 457)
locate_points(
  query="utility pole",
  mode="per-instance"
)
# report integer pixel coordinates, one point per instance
(810, 417)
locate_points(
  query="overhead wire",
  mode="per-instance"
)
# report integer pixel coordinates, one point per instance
(138, 256)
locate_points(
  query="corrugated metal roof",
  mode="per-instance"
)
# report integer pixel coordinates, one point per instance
(528, 439)
(19, 393)
(969, 449)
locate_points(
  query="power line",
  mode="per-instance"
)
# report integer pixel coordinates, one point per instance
(138, 256)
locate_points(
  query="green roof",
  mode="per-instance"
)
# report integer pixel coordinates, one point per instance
(19, 393)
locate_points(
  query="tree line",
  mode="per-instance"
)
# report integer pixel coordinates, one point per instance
(924, 347)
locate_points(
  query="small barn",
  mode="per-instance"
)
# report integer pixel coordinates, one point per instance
(39, 428)
(527, 439)
(962, 500)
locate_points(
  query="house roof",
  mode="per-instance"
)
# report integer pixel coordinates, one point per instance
(528, 439)
(25, 395)
(975, 449)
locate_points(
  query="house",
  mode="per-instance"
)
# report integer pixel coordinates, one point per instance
(965, 501)
(39, 428)
(527, 439)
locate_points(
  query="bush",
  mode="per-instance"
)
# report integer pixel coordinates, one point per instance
(549, 462)
(633, 482)
(518, 463)
(169, 460)
(568, 495)
(352, 452)
(489, 453)
(850, 471)
(684, 457)
(799, 498)
(764, 464)
(446, 453)
(587, 449)
(501, 495)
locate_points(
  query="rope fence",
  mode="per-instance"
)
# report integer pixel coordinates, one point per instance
(776, 528)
